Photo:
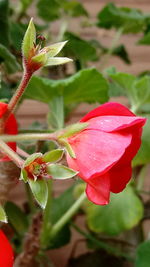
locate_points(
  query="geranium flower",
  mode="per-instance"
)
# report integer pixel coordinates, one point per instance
(9, 128)
(104, 150)
(6, 252)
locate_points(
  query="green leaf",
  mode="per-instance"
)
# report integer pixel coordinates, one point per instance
(16, 218)
(53, 156)
(126, 82)
(74, 9)
(58, 171)
(3, 217)
(29, 39)
(130, 19)
(48, 10)
(32, 157)
(9, 60)
(79, 48)
(40, 191)
(121, 52)
(137, 89)
(56, 115)
(143, 155)
(143, 255)
(73, 129)
(113, 219)
(145, 40)
(4, 22)
(85, 86)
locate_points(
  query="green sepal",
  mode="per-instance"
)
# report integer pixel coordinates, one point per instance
(73, 129)
(68, 147)
(53, 155)
(54, 49)
(40, 191)
(54, 61)
(60, 172)
(29, 39)
(3, 217)
(40, 58)
(32, 157)
(24, 176)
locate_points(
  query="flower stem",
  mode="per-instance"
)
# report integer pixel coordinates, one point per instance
(17, 95)
(4, 148)
(31, 136)
(112, 47)
(68, 215)
(102, 244)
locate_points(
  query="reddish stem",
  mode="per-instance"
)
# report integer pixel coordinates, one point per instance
(17, 95)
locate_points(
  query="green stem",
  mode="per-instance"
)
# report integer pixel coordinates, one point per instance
(68, 215)
(112, 47)
(101, 244)
(4, 148)
(46, 216)
(31, 136)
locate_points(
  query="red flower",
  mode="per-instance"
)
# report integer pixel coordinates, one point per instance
(9, 128)
(104, 150)
(6, 252)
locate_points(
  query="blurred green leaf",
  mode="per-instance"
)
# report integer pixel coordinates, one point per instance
(121, 52)
(74, 9)
(79, 48)
(9, 60)
(40, 191)
(85, 86)
(143, 155)
(3, 217)
(137, 89)
(17, 218)
(123, 212)
(4, 22)
(145, 40)
(143, 255)
(130, 19)
(48, 10)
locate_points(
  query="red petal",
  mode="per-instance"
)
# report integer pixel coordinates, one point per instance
(98, 190)
(96, 152)
(10, 128)
(119, 177)
(6, 252)
(3, 108)
(115, 123)
(120, 174)
(110, 108)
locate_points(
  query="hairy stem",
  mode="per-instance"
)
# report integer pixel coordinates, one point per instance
(4, 148)
(31, 136)
(17, 95)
